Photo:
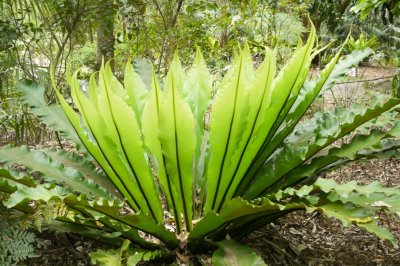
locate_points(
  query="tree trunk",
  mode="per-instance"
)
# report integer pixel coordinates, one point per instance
(344, 4)
(105, 32)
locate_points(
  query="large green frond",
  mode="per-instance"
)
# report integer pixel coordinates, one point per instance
(260, 101)
(178, 142)
(197, 91)
(121, 142)
(229, 121)
(49, 114)
(322, 131)
(361, 146)
(333, 72)
(91, 145)
(51, 169)
(284, 92)
(136, 90)
(85, 167)
(96, 209)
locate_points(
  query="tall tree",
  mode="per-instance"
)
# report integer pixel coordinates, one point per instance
(105, 31)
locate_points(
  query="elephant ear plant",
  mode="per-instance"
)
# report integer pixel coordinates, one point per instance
(173, 170)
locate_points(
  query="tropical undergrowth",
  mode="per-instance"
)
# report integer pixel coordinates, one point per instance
(164, 168)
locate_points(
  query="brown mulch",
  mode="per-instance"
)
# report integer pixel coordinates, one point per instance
(63, 249)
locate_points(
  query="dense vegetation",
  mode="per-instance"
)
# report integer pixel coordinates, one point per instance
(183, 126)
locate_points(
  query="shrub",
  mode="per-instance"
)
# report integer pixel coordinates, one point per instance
(168, 179)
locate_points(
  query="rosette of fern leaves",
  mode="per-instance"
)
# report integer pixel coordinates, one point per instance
(154, 176)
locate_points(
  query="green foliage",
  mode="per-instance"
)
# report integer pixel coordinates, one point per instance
(230, 253)
(169, 177)
(365, 7)
(84, 56)
(16, 122)
(363, 42)
(125, 256)
(16, 244)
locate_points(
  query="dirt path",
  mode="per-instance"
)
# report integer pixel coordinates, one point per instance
(360, 88)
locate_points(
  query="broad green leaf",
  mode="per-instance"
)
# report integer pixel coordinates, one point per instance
(150, 133)
(161, 255)
(284, 92)
(145, 71)
(197, 90)
(112, 83)
(136, 89)
(101, 123)
(85, 167)
(235, 209)
(124, 231)
(330, 126)
(24, 194)
(349, 214)
(178, 141)
(7, 185)
(125, 256)
(332, 72)
(21, 178)
(134, 259)
(93, 90)
(229, 122)
(128, 140)
(261, 100)
(100, 209)
(340, 69)
(231, 253)
(96, 234)
(350, 203)
(94, 149)
(111, 257)
(132, 144)
(371, 196)
(380, 232)
(359, 147)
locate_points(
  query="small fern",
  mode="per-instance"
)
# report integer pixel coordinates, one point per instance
(45, 213)
(16, 244)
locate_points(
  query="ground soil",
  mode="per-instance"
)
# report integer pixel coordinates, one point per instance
(299, 238)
